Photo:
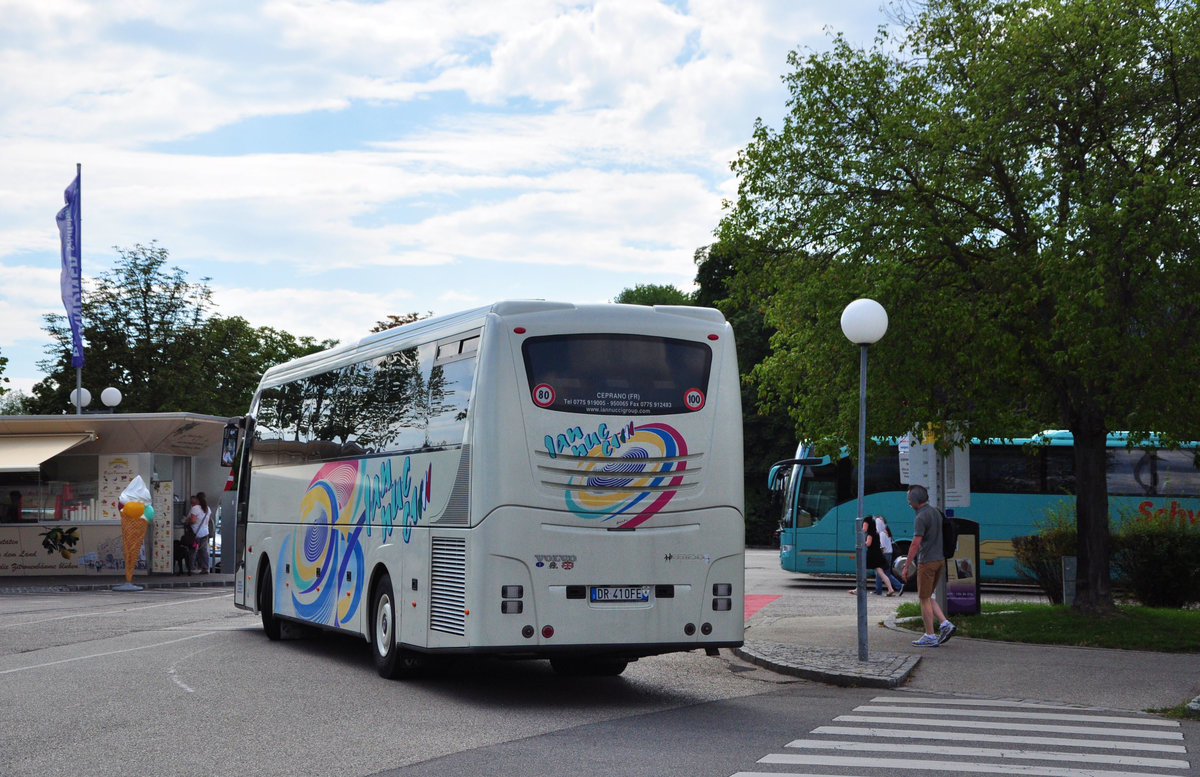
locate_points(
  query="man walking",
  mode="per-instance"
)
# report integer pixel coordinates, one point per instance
(926, 548)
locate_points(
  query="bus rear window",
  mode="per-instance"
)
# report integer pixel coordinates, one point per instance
(617, 374)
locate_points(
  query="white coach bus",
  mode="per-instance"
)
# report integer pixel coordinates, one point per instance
(530, 479)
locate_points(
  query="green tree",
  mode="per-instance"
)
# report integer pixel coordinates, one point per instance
(768, 436)
(15, 403)
(393, 320)
(1017, 183)
(148, 332)
(653, 294)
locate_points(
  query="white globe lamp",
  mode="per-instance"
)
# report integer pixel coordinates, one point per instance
(111, 397)
(864, 321)
(81, 397)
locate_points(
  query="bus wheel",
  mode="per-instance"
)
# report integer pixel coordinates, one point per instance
(266, 605)
(588, 667)
(391, 661)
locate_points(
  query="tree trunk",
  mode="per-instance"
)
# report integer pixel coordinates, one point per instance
(1093, 586)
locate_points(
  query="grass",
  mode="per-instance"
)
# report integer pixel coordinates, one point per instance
(1143, 628)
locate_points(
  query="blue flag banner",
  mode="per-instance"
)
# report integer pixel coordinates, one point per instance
(72, 268)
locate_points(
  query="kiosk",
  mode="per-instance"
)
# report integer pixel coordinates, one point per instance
(61, 476)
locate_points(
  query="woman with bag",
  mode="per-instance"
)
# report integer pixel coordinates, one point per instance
(875, 558)
(197, 521)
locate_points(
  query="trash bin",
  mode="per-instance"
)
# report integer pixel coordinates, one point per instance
(962, 571)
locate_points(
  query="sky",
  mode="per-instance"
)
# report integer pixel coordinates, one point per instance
(326, 163)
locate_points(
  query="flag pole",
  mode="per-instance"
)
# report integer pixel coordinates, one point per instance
(79, 231)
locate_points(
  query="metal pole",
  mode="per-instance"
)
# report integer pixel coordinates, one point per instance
(939, 589)
(859, 542)
(79, 237)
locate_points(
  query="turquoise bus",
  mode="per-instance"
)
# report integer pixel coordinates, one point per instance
(1013, 485)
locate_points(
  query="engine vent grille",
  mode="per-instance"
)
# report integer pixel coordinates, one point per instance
(448, 585)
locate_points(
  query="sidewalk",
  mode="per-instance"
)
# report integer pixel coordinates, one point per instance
(814, 635)
(18, 584)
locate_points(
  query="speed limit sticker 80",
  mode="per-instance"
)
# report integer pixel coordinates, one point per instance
(543, 395)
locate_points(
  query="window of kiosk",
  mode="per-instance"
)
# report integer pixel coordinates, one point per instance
(20, 497)
(70, 489)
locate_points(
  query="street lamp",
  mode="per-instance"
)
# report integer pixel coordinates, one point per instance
(111, 397)
(81, 398)
(864, 322)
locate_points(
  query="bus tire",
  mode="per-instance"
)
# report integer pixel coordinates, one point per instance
(570, 666)
(266, 605)
(391, 661)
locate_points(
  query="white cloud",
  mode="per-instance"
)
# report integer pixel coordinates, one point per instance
(341, 314)
(536, 141)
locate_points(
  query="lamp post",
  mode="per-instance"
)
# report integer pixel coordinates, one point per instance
(864, 322)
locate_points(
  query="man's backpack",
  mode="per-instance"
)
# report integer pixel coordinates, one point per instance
(949, 537)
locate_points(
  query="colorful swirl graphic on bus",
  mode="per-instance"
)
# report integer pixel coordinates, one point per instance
(324, 548)
(322, 563)
(640, 467)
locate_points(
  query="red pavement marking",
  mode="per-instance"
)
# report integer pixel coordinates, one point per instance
(755, 602)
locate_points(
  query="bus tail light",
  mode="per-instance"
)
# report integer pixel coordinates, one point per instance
(512, 595)
(722, 597)
(547, 631)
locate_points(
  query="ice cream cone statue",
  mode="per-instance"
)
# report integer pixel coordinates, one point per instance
(133, 531)
(136, 514)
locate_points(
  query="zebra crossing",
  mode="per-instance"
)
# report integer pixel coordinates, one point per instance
(901, 734)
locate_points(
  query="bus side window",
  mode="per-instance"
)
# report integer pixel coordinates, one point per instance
(1059, 467)
(1005, 469)
(449, 394)
(1177, 473)
(1131, 472)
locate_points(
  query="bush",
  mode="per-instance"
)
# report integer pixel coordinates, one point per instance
(1157, 559)
(1039, 557)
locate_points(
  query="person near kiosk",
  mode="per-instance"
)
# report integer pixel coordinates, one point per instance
(198, 520)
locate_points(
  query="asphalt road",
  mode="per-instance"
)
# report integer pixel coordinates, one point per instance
(179, 682)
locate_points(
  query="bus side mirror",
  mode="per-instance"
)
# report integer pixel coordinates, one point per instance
(229, 441)
(777, 484)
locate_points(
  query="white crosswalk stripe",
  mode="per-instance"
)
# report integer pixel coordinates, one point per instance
(902, 734)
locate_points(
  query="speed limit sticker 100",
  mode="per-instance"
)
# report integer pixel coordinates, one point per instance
(543, 395)
(694, 399)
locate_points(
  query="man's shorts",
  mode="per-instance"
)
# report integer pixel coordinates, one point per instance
(928, 574)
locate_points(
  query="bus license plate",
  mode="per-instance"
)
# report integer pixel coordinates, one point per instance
(620, 593)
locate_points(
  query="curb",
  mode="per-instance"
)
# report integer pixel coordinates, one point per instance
(834, 666)
(59, 588)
